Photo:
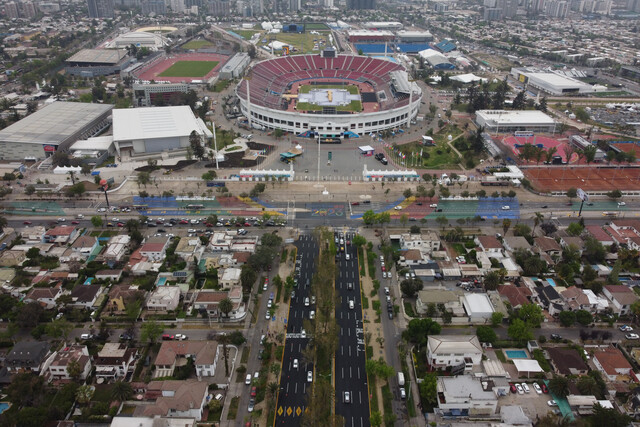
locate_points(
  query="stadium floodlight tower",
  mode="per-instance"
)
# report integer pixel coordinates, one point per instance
(248, 79)
(410, 101)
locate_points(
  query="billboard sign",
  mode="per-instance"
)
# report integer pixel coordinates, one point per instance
(582, 195)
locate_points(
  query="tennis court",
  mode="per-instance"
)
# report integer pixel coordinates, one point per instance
(593, 178)
(544, 142)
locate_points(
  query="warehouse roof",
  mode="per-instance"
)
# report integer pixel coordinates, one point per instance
(54, 123)
(99, 56)
(155, 122)
(515, 116)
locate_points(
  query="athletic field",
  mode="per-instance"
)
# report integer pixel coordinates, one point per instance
(189, 69)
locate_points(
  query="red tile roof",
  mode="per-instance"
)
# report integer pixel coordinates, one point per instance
(611, 359)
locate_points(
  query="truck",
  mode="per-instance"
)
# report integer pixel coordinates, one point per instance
(400, 379)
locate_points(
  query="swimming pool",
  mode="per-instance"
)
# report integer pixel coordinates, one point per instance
(162, 281)
(552, 282)
(516, 354)
(88, 281)
(4, 406)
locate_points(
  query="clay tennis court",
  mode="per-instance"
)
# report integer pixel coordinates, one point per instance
(159, 65)
(558, 178)
(545, 142)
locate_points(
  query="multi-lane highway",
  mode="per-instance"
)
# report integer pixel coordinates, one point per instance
(350, 373)
(294, 380)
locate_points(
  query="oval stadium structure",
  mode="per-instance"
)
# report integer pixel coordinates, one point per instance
(328, 95)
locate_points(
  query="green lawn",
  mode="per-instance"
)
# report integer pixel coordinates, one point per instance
(247, 34)
(196, 44)
(303, 43)
(317, 26)
(221, 85)
(189, 69)
(352, 89)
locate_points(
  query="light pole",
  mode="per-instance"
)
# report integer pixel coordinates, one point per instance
(215, 141)
(318, 157)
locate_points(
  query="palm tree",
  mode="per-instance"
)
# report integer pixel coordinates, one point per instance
(536, 221)
(225, 306)
(550, 153)
(559, 386)
(121, 391)
(272, 389)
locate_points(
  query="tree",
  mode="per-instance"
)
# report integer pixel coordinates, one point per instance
(84, 394)
(520, 331)
(96, 221)
(29, 189)
(403, 219)
(588, 386)
(442, 221)
(531, 314)
(542, 106)
(74, 370)
(608, 417)
(150, 331)
(407, 193)
(122, 391)
(410, 287)
(522, 229)
(506, 223)
(594, 252)
(429, 390)
(29, 315)
(572, 193)
(559, 385)
(614, 194)
(368, 217)
(75, 190)
(143, 178)
(567, 318)
(358, 240)
(486, 334)
(584, 317)
(575, 229)
(496, 318)
(419, 330)
(225, 307)
(59, 328)
(248, 277)
(491, 281)
(519, 102)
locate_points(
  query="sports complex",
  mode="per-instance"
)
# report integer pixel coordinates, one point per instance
(177, 68)
(328, 95)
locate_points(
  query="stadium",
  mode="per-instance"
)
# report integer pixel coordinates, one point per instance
(179, 68)
(328, 95)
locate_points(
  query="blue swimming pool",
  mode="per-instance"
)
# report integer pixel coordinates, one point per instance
(162, 281)
(516, 354)
(88, 281)
(4, 406)
(552, 282)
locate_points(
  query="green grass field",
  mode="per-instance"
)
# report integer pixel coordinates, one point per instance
(189, 69)
(247, 34)
(352, 89)
(196, 44)
(303, 43)
(317, 26)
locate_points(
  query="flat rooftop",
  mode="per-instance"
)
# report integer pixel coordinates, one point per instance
(155, 122)
(54, 123)
(515, 116)
(99, 56)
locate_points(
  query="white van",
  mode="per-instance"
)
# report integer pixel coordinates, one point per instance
(79, 216)
(400, 379)
(403, 394)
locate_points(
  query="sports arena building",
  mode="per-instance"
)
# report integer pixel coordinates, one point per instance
(508, 121)
(550, 82)
(328, 95)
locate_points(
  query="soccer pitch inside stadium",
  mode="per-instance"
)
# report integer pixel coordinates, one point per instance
(317, 97)
(189, 69)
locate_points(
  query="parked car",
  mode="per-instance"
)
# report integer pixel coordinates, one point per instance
(552, 403)
(544, 387)
(526, 388)
(626, 328)
(632, 336)
(181, 337)
(310, 376)
(537, 388)
(513, 388)
(520, 389)
(556, 337)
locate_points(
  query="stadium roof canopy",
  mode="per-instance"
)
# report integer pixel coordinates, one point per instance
(54, 123)
(446, 46)
(156, 122)
(99, 56)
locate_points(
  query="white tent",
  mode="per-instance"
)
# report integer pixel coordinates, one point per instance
(528, 366)
(61, 170)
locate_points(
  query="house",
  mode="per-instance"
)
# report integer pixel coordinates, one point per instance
(164, 298)
(230, 242)
(119, 296)
(176, 399)
(117, 248)
(547, 296)
(240, 258)
(154, 248)
(27, 356)
(548, 246)
(32, 234)
(621, 298)
(45, 296)
(450, 299)
(514, 243)
(115, 360)
(208, 300)
(576, 242)
(12, 258)
(60, 235)
(113, 276)
(411, 257)
(85, 296)
(612, 363)
(175, 353)
(465, 396)
(489, 245)
(188, 247)
(59, 367)
(600, 235)
(516, 295)
(575, 299)
(84, 245)
(453, 350)
(426, 241)
(567, 361)
(229, 277)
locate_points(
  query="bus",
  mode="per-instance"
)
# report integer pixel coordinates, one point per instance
(215, 184)
(195, 206)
